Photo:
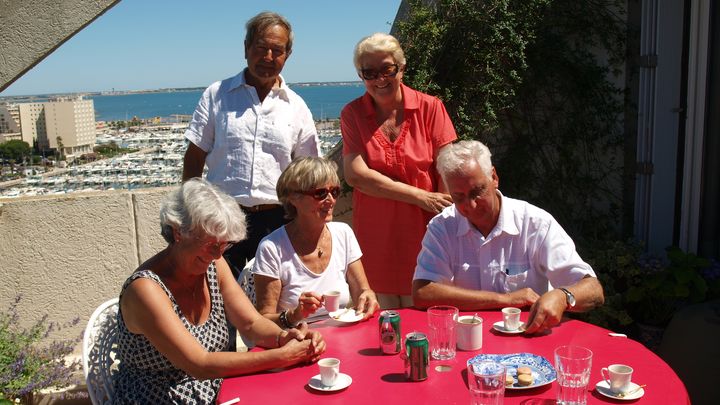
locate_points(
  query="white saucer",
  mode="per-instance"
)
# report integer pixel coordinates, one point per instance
(500, 327)
(343, 381)
(345, 316)
(603, 388)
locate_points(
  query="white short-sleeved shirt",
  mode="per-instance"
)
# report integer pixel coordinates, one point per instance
(526, 248)
(276, 258)
(250, 143)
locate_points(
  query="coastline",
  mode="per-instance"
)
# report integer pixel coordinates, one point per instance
(40, 97)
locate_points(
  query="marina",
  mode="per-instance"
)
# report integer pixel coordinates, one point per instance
(157, 163)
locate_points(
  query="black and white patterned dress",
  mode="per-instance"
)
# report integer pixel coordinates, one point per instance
(146, 377)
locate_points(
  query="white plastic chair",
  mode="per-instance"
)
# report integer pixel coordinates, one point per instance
(99, 349)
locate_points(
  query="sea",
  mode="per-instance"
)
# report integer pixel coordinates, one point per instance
(325, 101)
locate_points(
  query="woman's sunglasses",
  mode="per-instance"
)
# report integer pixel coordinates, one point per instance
(385, 71)
(322, 193)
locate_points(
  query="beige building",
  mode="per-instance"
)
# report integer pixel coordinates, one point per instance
(70, 119)
(73, 120)
(32, 124)
(9, 123)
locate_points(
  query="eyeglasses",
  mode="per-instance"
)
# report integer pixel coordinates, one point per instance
(385, 71)
(321, 193)
(221, 246)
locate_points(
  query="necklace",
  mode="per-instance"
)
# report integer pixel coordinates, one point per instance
(320, 251)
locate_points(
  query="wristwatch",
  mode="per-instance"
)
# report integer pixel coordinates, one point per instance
(570, 298)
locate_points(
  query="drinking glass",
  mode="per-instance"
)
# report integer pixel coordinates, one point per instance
(573, 365)
(441, 320)
(486, 381)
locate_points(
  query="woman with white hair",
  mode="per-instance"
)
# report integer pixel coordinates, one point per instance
(391, 137)
(175, 307)
(311, 255)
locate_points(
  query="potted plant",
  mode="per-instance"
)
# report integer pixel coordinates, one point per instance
(642, 291)
(29, 361)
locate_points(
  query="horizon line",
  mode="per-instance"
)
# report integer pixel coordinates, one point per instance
(166, 89)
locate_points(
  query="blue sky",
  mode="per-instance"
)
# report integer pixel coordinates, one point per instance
(141, 44)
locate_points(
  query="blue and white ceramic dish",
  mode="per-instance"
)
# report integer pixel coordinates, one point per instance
(542, 371)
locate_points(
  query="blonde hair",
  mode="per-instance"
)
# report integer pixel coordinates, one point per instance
(378, 42)
(304, 174)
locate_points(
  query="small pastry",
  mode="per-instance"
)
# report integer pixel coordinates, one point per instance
(509, 380)
(524, 370)
(525, 379)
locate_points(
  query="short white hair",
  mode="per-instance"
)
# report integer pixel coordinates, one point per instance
(455, 158)
(198, 205)
(378, 42)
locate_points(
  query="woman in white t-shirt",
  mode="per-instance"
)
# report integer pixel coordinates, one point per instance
(310, 256)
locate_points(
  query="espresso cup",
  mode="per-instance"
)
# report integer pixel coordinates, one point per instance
(618, 377)
(329, 370)
(331, 300)
(511, 318)
(469, 332)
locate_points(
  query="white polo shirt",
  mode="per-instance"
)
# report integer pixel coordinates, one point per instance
(526, 248)
(250, 143)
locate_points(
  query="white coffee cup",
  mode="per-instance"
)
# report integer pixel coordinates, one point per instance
(511, 318)
(618, 377)
(331, 300)
(329, 370)
(469, 332)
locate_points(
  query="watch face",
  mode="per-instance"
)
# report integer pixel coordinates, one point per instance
(570, 297)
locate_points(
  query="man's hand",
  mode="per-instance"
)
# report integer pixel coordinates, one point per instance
(546, 312)
(523, 297)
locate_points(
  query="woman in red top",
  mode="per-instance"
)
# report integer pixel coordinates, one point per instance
(391, 137)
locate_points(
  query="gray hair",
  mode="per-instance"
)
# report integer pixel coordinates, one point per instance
(378, 42)
(454, 158)
(257, 25)
(304, 174)
(198, 205)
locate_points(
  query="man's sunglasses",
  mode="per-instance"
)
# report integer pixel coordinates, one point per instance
(386, 71)
(322, 193)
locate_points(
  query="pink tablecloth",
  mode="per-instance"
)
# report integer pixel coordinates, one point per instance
(380, 377)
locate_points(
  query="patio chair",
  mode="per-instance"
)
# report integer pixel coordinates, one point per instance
(247, 281)
(99, 349)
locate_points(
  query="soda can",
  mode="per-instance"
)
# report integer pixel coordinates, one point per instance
(390, 337)
(416, 356)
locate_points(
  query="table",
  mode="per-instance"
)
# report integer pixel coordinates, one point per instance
(378, 377)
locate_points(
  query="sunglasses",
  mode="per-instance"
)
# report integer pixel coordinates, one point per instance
(321, 193)
(386, 71)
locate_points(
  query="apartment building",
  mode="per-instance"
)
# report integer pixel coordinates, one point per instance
(9, 123)
(71, 121)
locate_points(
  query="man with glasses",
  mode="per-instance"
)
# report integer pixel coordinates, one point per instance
(248, 128)
(491, 251)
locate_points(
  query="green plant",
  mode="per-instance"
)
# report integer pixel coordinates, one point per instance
(643, 289)
(679, 282)
(537, 81)
(29, 361)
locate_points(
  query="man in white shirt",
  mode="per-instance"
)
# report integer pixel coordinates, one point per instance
(248, 128)
(490, 251)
